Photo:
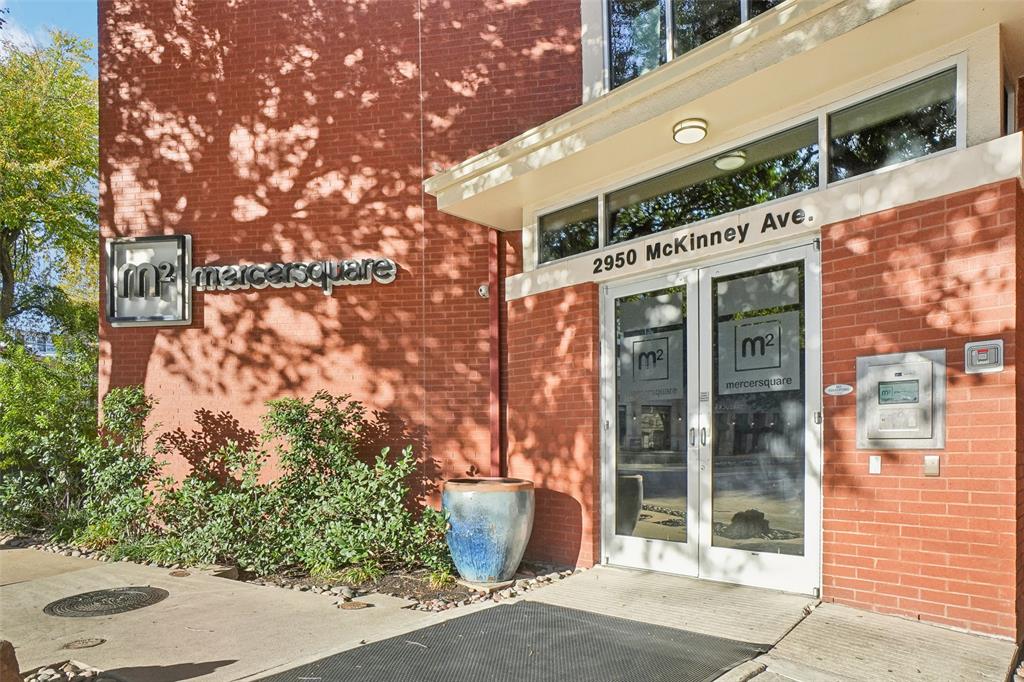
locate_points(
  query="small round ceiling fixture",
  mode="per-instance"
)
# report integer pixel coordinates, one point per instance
(690, 130)
(731, 161)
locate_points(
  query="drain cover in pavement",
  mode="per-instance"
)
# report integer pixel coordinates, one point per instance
(535, 642)
(105, 602)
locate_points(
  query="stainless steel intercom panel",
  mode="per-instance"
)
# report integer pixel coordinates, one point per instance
(901, 401)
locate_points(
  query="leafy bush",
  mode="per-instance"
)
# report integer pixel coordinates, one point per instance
(232, 519)
(340, 510)
(329, 511)
(118, 472)
(47, 418)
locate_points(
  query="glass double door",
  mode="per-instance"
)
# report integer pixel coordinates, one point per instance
(712, 446)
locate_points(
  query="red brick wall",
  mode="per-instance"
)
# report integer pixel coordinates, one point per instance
(1020, 416)
(553, 438)
(930, 275)
(292, 130)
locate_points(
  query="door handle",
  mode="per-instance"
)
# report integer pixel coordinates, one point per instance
(693, 436)
(703, 435)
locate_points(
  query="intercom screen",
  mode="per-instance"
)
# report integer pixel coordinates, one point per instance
(898, 392)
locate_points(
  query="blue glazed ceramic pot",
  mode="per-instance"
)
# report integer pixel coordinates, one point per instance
(490, 520)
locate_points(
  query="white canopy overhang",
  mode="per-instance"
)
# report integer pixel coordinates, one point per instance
(781, 66)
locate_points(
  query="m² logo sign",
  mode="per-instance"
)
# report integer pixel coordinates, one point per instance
(757, 345)
(150, 279)
(650, 359)
(759, 354)
(147, 281)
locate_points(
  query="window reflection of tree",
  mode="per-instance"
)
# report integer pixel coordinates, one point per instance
(695, 22)
(568, 240)
(637, 37)
(912, 135)
(770, 179)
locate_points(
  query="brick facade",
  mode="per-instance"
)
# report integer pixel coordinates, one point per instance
(930, 275)
(272, 130)
(553, 418)
(285, 130)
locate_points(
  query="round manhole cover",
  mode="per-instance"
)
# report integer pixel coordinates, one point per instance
(105, 602)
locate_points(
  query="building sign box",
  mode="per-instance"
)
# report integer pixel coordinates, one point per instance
(146, 281)
(150, 279)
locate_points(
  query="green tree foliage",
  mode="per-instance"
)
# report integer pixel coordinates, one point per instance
(47, 405)
(47, 418)
(49, 162)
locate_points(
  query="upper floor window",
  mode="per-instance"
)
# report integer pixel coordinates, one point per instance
(643, 34)
(903, 124)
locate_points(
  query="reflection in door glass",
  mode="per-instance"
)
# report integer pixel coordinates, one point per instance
(758, 411)
(650, 390)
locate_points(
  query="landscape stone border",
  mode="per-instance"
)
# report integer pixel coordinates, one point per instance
(69, 671)
(523, 582)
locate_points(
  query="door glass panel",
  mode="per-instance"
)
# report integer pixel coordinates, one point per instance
(650, 392)
(758, 410)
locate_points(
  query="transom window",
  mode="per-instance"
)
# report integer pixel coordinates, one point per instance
(643, 34)
(770, 168)
(906, 123)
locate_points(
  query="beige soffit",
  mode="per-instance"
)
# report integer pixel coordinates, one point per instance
(796, 50)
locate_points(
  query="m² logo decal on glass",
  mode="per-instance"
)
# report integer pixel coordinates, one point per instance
(650, 359)
(758, 345)
(759, 354)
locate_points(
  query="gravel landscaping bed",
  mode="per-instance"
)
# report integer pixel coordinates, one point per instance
(414, 586)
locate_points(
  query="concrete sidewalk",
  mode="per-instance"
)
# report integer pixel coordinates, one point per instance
(839, 643)
(832, 643)
(217, 629)
(207, 629)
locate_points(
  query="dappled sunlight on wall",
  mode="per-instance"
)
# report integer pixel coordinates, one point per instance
(929, 275)
(274, 131)
(553, 366)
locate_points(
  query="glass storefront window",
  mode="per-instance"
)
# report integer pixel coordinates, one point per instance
(907, 123)
(568, 231)
(771, 168)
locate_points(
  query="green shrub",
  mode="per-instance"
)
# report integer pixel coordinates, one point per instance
(340, 510)
(328, 512)
(118, 473)
(47, 417)
(233, 519)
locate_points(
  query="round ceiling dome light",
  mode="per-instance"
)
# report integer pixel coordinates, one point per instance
(731, 161)
(690, 130)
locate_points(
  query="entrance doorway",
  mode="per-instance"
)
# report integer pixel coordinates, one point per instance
(712, 435)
